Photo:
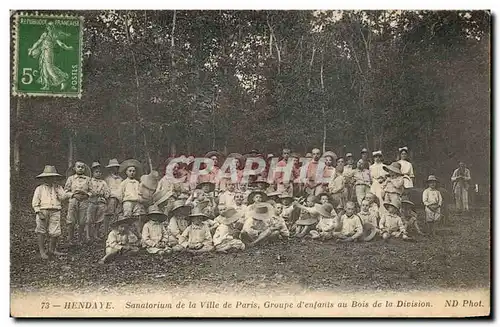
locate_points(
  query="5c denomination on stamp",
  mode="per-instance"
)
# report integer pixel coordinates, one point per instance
(47, 55)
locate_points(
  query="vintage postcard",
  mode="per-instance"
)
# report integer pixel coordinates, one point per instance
(265, 163)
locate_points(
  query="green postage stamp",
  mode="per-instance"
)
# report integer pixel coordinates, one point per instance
(47, 55)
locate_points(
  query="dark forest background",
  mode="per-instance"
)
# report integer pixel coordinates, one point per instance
(161, 83)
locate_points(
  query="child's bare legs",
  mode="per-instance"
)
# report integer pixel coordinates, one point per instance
(53, 246)
(41, 246)
(71, 232)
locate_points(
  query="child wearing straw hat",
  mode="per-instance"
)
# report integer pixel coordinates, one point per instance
(327, 221)
(129, 193)
(99, 194)
(337, 187)
(260, 227)
(47, 204)
(391, 224)
(308, 217)
(362, 180)
(178, 218)
(369, 219)
(78, 186)
(226, 198)
(113, 180)
(197, 238)
(155, 236)
(393, 187)
(226, 235)
(120, 241)
(432, 199)
(349, 227)
(410, 217)
(288, 212)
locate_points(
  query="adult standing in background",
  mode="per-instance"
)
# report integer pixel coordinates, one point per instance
(364, 156)
(406, 167)
(460, 180)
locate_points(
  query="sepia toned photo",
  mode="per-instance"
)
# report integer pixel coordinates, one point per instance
(250, 163)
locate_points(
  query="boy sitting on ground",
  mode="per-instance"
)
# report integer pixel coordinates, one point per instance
(226, 235)
(349, 228)
(155, 236)
(196, 238)
(391, 224)
(121, 241)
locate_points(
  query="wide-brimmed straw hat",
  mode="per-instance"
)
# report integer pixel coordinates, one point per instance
(330, 154)
(395, 167)
(212, 185)
(210, 154)
(230, 215)
(155, 213)
(150, 180)
(131, 163)
(237, 156)
(198, 212)
(395, 204)
(123, 221)
(260, 180)
(255, 192)
(178, 204)
(432, 178)
(95, 164)
(324, 209)
(408, 202)
(113, 163)
(262, 211)
(273, 194)
(307, 221)
(49, 171)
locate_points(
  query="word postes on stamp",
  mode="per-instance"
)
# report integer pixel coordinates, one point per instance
(47, 55)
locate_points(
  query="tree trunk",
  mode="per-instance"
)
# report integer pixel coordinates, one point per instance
(71, 149)
(322, 104)
(310, 66)
(17, 140)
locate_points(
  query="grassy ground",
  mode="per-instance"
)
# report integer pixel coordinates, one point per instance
(458, 257)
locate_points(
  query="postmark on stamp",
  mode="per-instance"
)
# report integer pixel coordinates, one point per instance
(47, 55)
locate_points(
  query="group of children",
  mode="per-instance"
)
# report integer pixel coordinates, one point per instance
(165, 215)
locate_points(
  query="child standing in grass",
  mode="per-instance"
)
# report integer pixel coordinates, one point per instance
(100, 193)
(47, 206)
(362, 180)
(432, 200)
(113, 180)
(78, 188)
(129, 194)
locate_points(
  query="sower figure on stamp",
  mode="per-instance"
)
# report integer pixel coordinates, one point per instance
(78, 187)
(114, 208)
(120, 241)
(99, 194)
(47, 204)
